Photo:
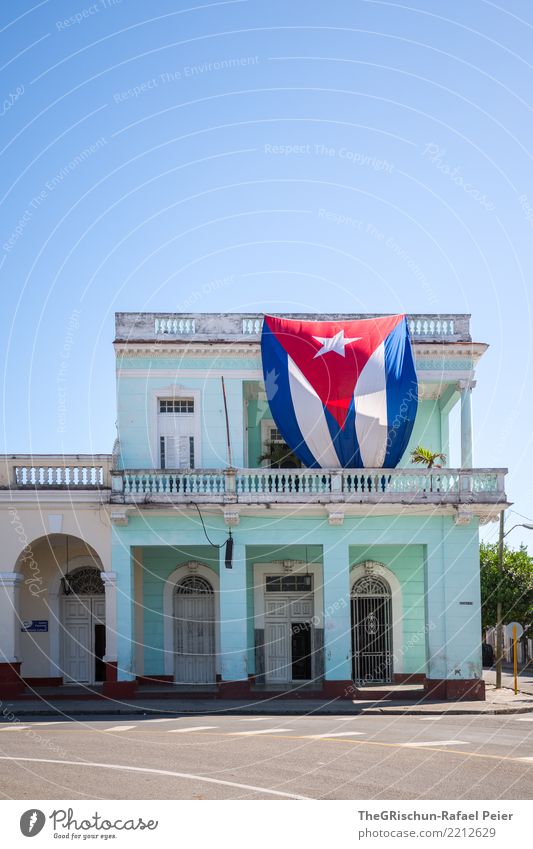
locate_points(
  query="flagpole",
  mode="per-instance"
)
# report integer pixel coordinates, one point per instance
(227, 422)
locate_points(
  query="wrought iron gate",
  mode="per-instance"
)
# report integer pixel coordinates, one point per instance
(371, 631)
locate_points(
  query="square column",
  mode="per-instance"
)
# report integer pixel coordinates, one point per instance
(10, 683)
(337, 621)
(233, 622)
(121, 612)
(435, 613)
(110, 657)
(454, 615)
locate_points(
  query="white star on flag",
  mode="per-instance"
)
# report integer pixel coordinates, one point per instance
(335, 343)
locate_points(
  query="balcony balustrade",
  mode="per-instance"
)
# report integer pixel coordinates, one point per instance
(55, 471)
(251, 486)
(248, 486)
(246, 327)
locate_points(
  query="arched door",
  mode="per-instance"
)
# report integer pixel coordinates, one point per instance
(83, 626)
(371, 631)
(194, 610)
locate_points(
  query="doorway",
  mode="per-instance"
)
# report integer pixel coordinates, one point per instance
(288, 628)
(194, 618)
(83, 627)
(371, 631)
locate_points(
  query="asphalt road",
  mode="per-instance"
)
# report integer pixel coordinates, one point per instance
(236, 757)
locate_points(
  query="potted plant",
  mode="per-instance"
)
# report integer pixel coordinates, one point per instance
(278, 455)
(423, 456)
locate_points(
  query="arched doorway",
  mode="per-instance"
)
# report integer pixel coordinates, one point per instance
(371, 603)
(82, 613)
(194, 628)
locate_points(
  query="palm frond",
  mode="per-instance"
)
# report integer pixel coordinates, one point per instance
(423, 456)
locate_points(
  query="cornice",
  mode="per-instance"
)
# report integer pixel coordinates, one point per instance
(240, 349)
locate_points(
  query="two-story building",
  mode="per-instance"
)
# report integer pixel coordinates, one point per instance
(115, 568)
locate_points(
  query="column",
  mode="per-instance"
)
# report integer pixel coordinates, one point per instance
(110, 657)
(462, 595)
(465, 387)
(337, 621)
(454, 614)
(435, 619)
(122, 562)
(10, 660)
(233, 623)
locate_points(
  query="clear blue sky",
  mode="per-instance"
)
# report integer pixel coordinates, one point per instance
(345, 156)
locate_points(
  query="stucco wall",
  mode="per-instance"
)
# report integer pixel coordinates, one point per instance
(444, 553)
(137, 390)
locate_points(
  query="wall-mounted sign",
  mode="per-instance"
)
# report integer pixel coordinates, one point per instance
(34, 625)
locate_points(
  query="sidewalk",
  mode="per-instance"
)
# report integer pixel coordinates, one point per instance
(525, 678)
(498, 702)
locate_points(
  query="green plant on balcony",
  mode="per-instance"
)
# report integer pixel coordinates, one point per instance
(278, 455)
(421, 456)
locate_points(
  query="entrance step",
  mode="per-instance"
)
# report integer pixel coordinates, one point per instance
(390, 691)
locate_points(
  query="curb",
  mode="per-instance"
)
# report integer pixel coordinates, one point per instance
(236, 711)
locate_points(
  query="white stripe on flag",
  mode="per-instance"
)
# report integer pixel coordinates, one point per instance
(370, 399)
(311, 420)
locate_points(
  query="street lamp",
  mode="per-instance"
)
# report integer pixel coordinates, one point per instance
(499, 623)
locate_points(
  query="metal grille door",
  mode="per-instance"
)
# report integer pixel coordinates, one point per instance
(371, 631)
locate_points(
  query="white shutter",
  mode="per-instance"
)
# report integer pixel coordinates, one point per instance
(177, 452)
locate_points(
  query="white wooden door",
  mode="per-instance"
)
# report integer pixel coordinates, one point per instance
(79, 617)
(277, 648)
(195, 638)
(278, 666)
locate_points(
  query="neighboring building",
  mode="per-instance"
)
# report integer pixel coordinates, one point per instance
(337, 576)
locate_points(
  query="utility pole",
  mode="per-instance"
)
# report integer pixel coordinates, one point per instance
(499, 623)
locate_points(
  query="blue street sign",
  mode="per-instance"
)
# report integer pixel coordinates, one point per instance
(35, 625)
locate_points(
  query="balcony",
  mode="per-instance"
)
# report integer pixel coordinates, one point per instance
(55, 471)
(293, 486)
(461, 492)
(246, 327)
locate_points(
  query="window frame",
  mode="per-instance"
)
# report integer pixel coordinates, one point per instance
(175, 391)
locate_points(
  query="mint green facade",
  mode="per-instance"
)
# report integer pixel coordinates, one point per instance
(424, 550)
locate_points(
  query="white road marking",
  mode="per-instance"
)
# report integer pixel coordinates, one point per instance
(250, 787)
(191, 728)
(524, 718)
(257, 719)
(121, 728)
(163, 719)
(259, 731)
(335, 734)
(429, 718)
(530, 760)
(438, 743)
(16, 728)
(342, 718)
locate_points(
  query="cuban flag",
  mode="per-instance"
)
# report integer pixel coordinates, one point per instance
(342, 393)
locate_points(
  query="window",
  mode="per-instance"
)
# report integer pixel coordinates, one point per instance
(176, 405)
(288, 583)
